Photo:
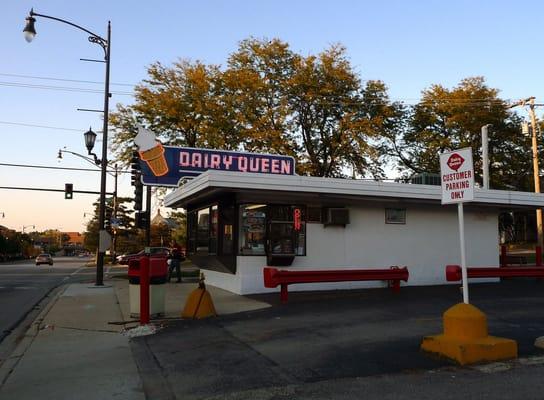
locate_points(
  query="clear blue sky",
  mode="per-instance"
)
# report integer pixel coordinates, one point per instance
(407, 44)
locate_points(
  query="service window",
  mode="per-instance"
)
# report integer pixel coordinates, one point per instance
(252, 229)
(287, 230)
(395, 216)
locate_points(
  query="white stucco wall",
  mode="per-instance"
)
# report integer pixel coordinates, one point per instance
(425, 244)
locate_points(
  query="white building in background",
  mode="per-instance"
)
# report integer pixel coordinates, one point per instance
(239, 223)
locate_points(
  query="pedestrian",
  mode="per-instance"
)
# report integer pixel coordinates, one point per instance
(175, 260)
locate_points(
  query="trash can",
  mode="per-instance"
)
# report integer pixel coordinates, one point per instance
(158, 274)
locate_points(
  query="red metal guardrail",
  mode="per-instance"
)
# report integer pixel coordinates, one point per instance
(453, 272)
(274, 277)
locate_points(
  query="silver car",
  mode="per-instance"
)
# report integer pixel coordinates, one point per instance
(44, 259)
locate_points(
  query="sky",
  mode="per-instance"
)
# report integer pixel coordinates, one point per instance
(408, 44)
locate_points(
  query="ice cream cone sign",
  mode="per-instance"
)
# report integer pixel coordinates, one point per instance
(151, 151)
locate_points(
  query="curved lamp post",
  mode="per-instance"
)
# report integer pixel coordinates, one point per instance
(90, 137)
(30, 33)
(28, 226)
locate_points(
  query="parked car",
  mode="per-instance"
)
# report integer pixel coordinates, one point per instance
(44, 258)
(154, 251)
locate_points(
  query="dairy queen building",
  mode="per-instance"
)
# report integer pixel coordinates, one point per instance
(248, 211)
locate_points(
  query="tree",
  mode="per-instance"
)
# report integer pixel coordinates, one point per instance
(125, 232)
(255, 95)
(268, 99)
(181, 104)
(337, 121)
(447, 119)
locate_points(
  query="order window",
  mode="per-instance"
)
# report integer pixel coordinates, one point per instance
(252, 229)
(287, 230)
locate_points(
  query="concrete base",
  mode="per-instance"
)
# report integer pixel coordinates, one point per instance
(472, 351)
(465, 339)
(156, 299)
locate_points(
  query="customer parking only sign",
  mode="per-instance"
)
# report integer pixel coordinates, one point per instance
(457, 174)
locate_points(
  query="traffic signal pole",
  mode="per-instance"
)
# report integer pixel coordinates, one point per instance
(148, 217)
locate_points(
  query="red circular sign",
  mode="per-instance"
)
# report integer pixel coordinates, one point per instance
(455, 161)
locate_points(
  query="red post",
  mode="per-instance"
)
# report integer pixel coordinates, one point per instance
(144, 290)
(503, 256)
(284, 293)
(538, 256)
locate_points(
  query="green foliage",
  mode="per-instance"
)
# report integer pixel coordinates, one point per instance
(447, 119)
(125, 234)
(268, 99)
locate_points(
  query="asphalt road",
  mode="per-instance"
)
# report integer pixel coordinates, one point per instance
(346, 345)
(23, 285)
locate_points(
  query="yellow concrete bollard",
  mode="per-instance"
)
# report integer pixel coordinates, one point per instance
(199, 303)
(466, 340)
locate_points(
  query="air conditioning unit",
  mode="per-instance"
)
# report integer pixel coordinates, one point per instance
(335, 216)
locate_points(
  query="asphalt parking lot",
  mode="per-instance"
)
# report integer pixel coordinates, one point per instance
(336, 344)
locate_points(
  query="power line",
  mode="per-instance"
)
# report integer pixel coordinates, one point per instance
(40, 126)
(63, 80)
(60, 88)
(63, 168)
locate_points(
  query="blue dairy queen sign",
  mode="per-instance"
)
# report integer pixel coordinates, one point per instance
(166, 165)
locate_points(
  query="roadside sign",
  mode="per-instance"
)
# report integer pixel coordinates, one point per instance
(104, 241)
(457, 176)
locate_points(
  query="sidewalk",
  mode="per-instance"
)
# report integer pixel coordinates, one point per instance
(75, 349)
(322, 345)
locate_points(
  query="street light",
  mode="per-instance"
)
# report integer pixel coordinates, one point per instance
(90, 137)
(103, 237)
(28, 226)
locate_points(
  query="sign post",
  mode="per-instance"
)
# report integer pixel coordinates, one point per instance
(457, 176)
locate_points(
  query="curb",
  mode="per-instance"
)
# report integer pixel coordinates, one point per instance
(25, 341)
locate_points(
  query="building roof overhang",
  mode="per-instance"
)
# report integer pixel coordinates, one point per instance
(308, 189)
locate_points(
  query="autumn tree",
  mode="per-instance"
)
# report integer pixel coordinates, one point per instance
(256, 85)
(267, 99)
(447, 119)
(181, 104)
(338, 121)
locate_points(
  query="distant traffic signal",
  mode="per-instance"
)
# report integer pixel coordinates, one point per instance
(136, 180)
(138, 196)
(68, 191)
(141, 219)
(135, 170)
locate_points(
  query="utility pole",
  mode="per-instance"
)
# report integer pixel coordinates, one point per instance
(485, 156)
(114, 228)
(536, 171)
(530, 101)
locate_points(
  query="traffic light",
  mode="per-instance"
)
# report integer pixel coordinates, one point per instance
(136, 180)
(68, 191)
(138, 196)
(135, 170)
(141, 219)
(107, 218)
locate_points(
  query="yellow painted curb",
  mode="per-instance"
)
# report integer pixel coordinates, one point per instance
(465, 338)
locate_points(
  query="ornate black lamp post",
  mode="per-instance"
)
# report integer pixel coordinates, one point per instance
(30, 33)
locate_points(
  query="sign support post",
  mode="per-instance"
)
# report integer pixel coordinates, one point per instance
(457, 175)
(461, 216)
(474, 345)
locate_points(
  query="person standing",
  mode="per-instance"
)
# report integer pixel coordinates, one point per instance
(175, 260)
